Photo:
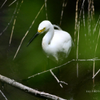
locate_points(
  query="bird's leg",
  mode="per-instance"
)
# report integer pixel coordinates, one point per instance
(48, 63)
(60, 82)
(96, 74)
(54, 74)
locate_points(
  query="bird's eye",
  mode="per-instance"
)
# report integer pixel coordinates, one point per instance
(41, 30)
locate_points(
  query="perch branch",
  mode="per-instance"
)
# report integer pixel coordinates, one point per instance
(79, 60)
(51, 69)
(28, 89)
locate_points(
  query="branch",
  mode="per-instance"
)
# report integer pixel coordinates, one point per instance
(52, 68)
(3, 95)
(28, 89)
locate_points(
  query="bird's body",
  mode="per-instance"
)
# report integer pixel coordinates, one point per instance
(55, 41)
(59, 44)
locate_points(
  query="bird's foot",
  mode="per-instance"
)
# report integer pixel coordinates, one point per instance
(60, 82)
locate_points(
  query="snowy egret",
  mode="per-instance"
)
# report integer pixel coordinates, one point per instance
(56, 42)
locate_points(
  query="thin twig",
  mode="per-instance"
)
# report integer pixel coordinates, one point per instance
(77, 49)
(97, 23)
(28, 89)
(46, 9)
(79, 60)
(3, 95)
(93, 59)
(83, 12)
(10, 40)
(12, 3)
(12, 31)
(3, 4)
(94, 55)
(77, 25)
(76, 21)
(10, 19)
(77, 69)
(51, 69)
(27, 32)
(97, 42)
(92, 9)
(62, 11)
(89, 17)
(93, 69)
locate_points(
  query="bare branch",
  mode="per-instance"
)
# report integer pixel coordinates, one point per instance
(28, 89)
(51, 69)
(79, 60)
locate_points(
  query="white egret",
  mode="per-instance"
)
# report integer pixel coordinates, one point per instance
(56, 42)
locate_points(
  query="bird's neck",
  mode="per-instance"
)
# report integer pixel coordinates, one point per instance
(48, 36)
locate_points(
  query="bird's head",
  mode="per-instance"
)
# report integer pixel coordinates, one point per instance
(43, 27)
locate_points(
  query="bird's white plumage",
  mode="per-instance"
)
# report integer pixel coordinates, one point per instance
(55, 41)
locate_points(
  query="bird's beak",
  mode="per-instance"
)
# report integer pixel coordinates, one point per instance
(33, 38)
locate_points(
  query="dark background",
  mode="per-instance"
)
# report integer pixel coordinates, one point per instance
(31, 60)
